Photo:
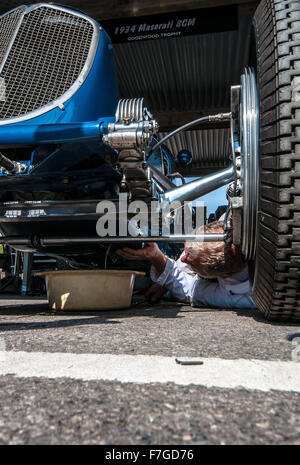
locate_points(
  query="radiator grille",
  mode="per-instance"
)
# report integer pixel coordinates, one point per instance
(8, 24)
(47, 56)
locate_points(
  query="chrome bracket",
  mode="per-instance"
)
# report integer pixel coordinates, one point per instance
(131, 134)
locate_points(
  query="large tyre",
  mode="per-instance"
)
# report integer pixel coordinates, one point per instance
(276, 287)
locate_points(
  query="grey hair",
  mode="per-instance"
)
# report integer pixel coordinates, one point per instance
(215, 258)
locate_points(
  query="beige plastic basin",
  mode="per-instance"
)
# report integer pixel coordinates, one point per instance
(89, 289)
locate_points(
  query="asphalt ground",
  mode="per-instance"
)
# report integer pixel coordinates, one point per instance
(37, 407)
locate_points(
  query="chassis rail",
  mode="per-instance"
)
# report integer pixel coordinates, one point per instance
(60, 241)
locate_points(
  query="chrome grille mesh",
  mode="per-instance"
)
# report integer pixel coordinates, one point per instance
(8, 24)
(47, 56)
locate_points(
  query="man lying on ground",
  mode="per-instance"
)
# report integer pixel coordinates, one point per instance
(212, 274)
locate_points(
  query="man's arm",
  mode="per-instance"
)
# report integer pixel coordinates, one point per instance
(183, 286)
(164, 271)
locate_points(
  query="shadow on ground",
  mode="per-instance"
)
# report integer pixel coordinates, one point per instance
(80, 318)
(20, 308)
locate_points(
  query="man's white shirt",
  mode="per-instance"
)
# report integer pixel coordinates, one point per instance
(187, 286)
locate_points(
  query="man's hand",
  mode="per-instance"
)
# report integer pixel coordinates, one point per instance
(147, 253)
(155, 293)
(150, 252)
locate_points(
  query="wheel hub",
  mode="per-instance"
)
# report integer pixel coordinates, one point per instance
(245, 148)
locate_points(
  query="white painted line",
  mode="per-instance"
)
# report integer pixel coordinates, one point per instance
(215, 372)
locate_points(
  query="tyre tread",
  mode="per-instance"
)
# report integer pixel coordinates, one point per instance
(277, 285)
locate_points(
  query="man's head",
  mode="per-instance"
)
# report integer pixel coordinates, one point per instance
(212, 259)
